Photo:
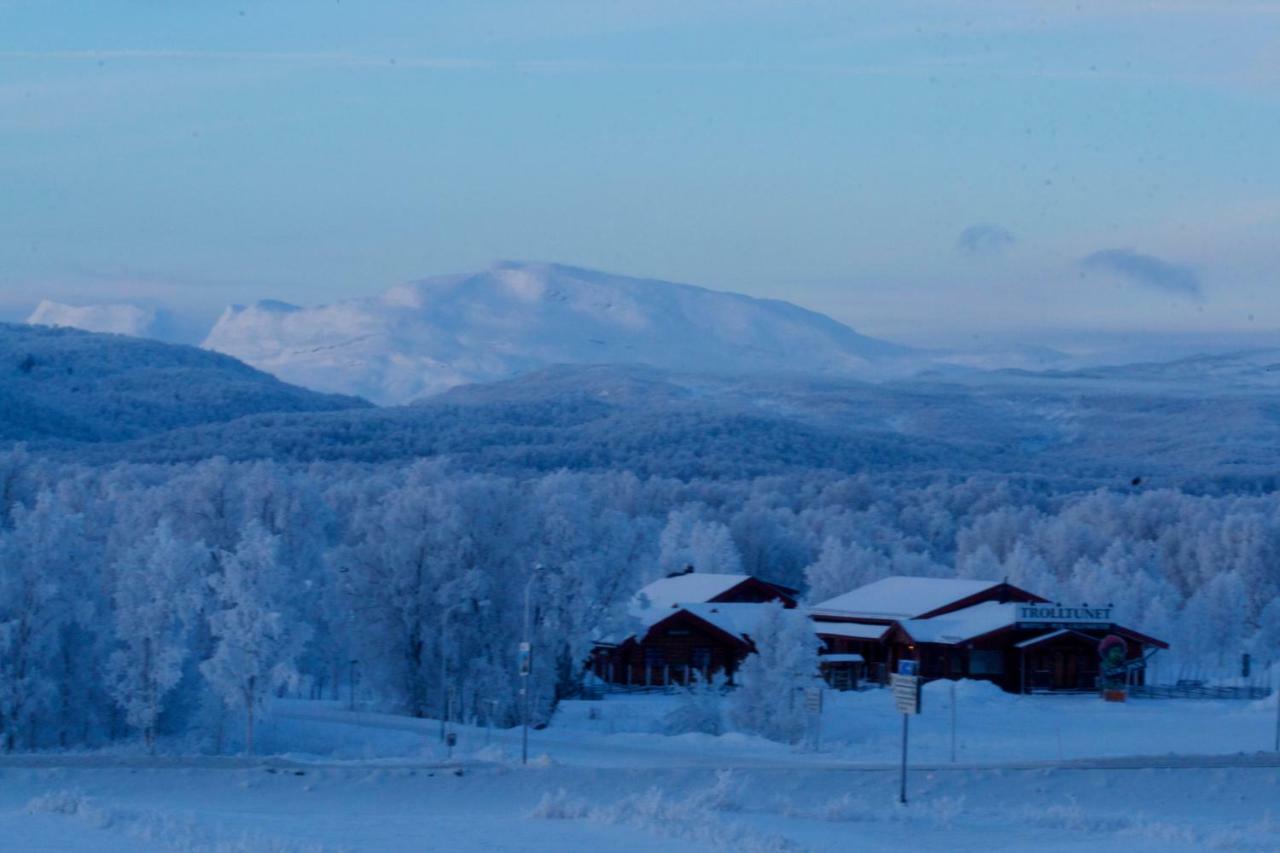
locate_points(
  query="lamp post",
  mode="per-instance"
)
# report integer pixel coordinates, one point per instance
(1276, 691)
(493, 712)
(526, 663)
(351, 685)
(444, 673)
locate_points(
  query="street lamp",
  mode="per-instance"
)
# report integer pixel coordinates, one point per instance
(351, 685)
(444, 672)
(526, 663)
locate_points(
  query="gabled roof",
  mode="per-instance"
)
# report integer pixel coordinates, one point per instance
(840, 658)
(739, 620)
(962, 625)
(659, 597)
(851, 630)
(900, 597)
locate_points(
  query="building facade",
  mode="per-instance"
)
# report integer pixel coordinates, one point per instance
(696, 625)
(986, 630)
(700, 625)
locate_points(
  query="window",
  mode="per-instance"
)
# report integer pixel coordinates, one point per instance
(986, 663)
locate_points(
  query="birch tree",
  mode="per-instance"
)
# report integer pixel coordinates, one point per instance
(156, 599)
(257, 641)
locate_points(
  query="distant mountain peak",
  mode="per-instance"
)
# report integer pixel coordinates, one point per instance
(423, 337)
(119, 318)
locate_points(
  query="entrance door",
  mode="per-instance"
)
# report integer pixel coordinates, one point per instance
(1065, 666)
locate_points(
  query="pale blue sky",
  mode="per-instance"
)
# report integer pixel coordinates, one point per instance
(1126, 156)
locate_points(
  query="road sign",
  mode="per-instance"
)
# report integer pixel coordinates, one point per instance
(906, 696)
(906, 692)
(813, 700)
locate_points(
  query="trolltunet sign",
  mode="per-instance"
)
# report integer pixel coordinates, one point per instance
(1060, 614)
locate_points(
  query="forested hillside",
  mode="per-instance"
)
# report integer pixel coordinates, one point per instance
(1082, 430)
(65, 384)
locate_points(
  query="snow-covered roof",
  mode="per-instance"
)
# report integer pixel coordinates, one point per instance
(840, 658)
(852, 630)
(738, 619)
(656, 600)
(901, 597)
(962, 624)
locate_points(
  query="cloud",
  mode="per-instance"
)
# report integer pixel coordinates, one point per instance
(1146, 271)
(985, 240)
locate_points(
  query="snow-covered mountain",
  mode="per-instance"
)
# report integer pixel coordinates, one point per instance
(119, 319)
(427, 336)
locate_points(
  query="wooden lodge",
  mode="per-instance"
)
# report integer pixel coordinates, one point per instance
(697, 624)
(702, 624)
(957, 628)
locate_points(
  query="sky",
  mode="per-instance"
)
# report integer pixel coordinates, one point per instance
(925, 171)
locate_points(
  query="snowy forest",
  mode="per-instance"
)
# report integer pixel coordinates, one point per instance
(143, 601)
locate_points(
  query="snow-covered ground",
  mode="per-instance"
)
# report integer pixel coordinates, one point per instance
(1044, 773)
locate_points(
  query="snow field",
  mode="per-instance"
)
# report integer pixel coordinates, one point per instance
(991, 726)
(366, 781)
(560, 808)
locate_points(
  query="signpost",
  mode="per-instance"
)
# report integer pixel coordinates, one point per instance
(905, 684)
(813, 705)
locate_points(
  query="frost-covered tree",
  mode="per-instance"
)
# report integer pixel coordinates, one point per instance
(1266, 640)
(842, 567)
(40, 575)
(258, 641)
(691, 540)
(1213, 624)
(769, 700)
(156, 599)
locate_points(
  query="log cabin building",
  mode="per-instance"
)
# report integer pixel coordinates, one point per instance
(954, 628)
(695, 623)
(990, 630)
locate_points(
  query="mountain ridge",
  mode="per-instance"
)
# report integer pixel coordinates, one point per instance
(423, 337)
